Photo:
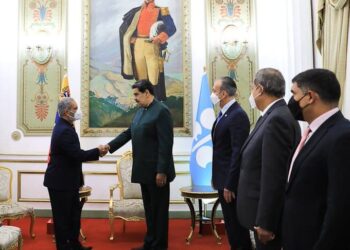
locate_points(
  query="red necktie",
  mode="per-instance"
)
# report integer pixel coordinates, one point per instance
(300, 146)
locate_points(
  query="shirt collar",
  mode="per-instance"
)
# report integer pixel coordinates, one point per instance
(269, 106)
(315, 124)
(227, 106)
(150, 5)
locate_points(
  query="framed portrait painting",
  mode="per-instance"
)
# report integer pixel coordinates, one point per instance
(107, 98)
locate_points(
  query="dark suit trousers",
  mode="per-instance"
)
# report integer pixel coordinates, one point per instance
(237, 235)
(66, 211)
(274, 244)
(156, 205)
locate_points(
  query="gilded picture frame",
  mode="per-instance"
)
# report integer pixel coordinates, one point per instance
(107, 102)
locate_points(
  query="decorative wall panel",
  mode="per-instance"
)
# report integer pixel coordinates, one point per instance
(42, 59)
(231, 44)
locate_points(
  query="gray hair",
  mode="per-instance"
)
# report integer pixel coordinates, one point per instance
(228, 85)
(272, 81)
(64, 105)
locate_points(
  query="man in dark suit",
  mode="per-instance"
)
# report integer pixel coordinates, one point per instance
(151, 133)
(229, 132)
(264, 160)
(316, 213)
(64, 177)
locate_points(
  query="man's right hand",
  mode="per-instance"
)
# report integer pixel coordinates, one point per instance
(132, 40)
(103, 149)
(229, 195)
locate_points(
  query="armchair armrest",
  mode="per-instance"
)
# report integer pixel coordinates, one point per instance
(111, 192)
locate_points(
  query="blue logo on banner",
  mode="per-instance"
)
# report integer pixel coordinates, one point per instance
(202, 146)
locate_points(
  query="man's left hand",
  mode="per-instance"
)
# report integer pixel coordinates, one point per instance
(229, 195)
(160, 180)
(264, 235)
(156, 40)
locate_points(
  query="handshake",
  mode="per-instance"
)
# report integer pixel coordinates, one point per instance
(103, 149)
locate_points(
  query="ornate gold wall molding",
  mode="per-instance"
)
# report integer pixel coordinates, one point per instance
(21, 173)
(231, 45)
(42, 60)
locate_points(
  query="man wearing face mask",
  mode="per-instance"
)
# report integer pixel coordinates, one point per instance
(316, 212)
(64, 177)
(230, 130)
(264, 160)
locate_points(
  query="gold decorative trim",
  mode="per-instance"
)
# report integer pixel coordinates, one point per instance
(92, 201)
(47, 56)
(85, 130)
(231, 46)
(16, 135)
(9, 200)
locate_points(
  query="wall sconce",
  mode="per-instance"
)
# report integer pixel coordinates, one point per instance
(40, 54)
(233, 45)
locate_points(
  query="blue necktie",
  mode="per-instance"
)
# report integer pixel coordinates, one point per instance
(219, 117)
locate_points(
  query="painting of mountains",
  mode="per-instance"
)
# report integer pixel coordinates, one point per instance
(111, 102)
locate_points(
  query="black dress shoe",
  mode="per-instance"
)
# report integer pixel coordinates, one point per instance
(81, 247)
(140, 248)
(85, 248)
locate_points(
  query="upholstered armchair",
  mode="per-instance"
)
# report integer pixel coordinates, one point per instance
(10, 210)
(10, 238)
(129, 206)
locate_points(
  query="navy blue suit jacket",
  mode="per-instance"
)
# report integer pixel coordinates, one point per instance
(64, 169)
(228, 137)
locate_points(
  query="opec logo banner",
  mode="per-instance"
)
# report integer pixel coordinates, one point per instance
(202, 146)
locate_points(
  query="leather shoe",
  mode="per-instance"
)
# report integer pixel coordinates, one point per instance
(139, 248)
(86, 248)
(81, 247)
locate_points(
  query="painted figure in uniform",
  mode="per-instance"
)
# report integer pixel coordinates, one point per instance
(143, 42)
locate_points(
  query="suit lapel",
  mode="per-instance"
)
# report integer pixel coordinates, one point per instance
(311, 144)
(216, 125)
(263, 119)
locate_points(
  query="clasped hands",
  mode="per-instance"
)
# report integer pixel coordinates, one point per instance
(103, 149)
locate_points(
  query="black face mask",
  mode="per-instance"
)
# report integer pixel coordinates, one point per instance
(295, 109)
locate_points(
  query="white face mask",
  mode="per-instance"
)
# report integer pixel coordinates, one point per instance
(77, 116)
(252, 101)
(214, 98)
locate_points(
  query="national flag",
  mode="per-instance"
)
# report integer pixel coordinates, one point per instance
(202, 146)
(65, 92)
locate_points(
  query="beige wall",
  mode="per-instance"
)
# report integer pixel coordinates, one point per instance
(284, 44)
